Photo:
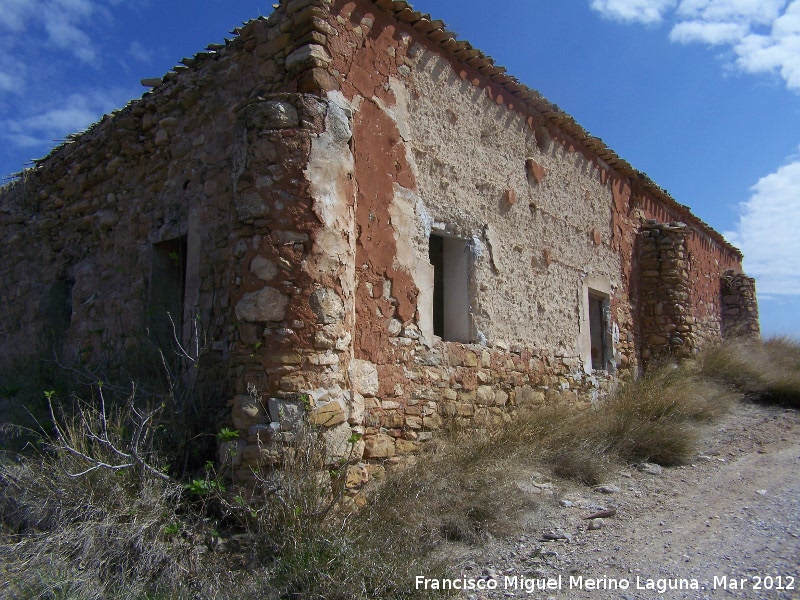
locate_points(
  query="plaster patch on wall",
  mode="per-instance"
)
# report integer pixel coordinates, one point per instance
(329, 169)
(411, 226)
(398, 115)
(493, 246)
(424, 217)
(408, 231)
(331, 161)
(477, 247)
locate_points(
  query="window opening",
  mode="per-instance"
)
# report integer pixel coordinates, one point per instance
(167, 288)
(598, 327)
(449, 257)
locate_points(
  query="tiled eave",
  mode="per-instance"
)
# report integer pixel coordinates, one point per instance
(463, 52)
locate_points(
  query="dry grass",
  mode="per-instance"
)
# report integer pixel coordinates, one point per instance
(128, 534)
(89, 535)
(766, 371)
(70, 531)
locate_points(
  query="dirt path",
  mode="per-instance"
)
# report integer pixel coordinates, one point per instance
(726, 526)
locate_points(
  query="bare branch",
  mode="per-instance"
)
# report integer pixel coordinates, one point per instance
(178, 344)
(132, 457)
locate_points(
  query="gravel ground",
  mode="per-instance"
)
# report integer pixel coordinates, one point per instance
(725, 526)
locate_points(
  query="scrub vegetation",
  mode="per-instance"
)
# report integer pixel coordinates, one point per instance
(92, 504)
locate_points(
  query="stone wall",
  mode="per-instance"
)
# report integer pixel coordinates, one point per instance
(306, 163)
(667, 321)
(165, 166)
(290, 344)
(739, 306)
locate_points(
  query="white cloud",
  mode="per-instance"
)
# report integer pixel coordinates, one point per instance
(767, 232)
(16, 13)
(52, 123)
(63, 24)
(12, 74)
(708, 33)
(67, 36)
(6, 82)
(761, 12)
(763, 39)
(763, 35)
(777, 51)
(633, 11)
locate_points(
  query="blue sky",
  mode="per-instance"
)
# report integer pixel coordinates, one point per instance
(702, 95)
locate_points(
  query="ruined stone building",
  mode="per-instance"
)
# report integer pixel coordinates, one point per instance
(366, 214)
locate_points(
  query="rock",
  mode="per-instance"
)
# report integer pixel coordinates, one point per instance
(485, 395)
(289, 413)
(595, 524)
(357, 476)
(263, 268)
(312, 55)
(556, 534)
(607, 489)
(534, 170)
(433, 421)
(267, 304)
(602, 514)
(566, 503)
(250, 205)
(650, 468)
(277, 115)
(406, 446)
(256, 456)
(761, 492)
(379, 446)
(327, 306)
(470, 360)
(527, 395)
(329, 415)
(247, 412)
(357, 407)
(337, 443)
(394, 327)
(363, 377)
(529, 488)
(230, 453)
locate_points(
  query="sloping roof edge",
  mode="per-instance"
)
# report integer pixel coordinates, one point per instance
(463, 52)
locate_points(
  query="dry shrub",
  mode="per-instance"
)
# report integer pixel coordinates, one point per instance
(766, 370)
(88, 536)
(308, 544)
(655, 418)
(461, 491)
(73, 529)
